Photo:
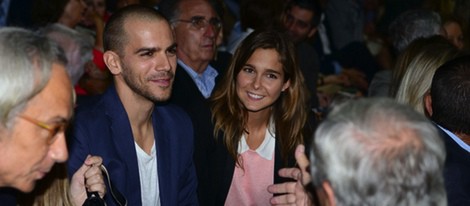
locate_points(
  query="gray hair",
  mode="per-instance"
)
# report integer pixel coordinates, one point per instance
(171, 9)
(26, 61)
(413, 24)
(379, 152)
(77, 47)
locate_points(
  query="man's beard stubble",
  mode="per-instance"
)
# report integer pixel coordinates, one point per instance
(143, 89)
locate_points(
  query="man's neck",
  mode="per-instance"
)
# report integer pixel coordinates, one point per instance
(66, 22)
(138, 108)
(198, 66)
(139, 111)
(464, 137)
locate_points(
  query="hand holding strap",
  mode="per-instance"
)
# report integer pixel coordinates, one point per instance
(94, 198)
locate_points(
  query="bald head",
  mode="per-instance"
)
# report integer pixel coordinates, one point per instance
(115, 34)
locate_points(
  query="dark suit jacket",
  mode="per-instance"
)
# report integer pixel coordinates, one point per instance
(103, 128)
(224, 167)
(8, 196)
(309, 64)
(456, 172)
(186, 95)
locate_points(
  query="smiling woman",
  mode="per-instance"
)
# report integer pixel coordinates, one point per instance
(260, 115)
(261, 81)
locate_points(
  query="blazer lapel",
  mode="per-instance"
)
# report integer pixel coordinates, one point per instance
(124, 143)
(163, 147)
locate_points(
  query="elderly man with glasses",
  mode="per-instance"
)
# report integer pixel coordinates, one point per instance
(31, 134)
(36, 103)
(197, 25)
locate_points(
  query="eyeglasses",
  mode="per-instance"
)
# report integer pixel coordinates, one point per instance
(199, 22)
(53, 130)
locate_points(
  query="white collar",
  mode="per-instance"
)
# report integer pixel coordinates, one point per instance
(456, 139)
(266, 149)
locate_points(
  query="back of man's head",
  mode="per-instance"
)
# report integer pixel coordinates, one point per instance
(413, 24)
(450, 94)
(115, 34)
(379, 152)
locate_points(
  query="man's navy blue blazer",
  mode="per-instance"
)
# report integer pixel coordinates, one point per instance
(456, 171)
(101, 127)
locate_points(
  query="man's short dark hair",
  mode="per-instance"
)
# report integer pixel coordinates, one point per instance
(311, 5)
(114, 33)
(450, 94)
(413, 24)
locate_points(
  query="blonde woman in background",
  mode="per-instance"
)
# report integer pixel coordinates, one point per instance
(424, 61)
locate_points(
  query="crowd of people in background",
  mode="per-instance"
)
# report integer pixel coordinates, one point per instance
(226, 102)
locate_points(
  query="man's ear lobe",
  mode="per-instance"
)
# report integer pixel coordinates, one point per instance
(112, 61)
(428, 104)
(330, 195)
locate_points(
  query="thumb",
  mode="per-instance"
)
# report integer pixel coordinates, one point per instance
(302, 162)
(301, 157)
(80, 173)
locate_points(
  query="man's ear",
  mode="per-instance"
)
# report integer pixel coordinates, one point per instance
(312, 32)
(428, 104)
(111, 59)
(330, 195)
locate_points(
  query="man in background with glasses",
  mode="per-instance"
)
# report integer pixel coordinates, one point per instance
(196, 25)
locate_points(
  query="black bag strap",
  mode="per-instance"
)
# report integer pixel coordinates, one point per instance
(117, 196)
(93, 199)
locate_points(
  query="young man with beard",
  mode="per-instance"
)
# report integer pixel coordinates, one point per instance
(147, 148)
(300, 20)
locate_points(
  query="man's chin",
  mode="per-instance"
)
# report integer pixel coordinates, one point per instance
(25, 187)
(208, 54)
(162, 97)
